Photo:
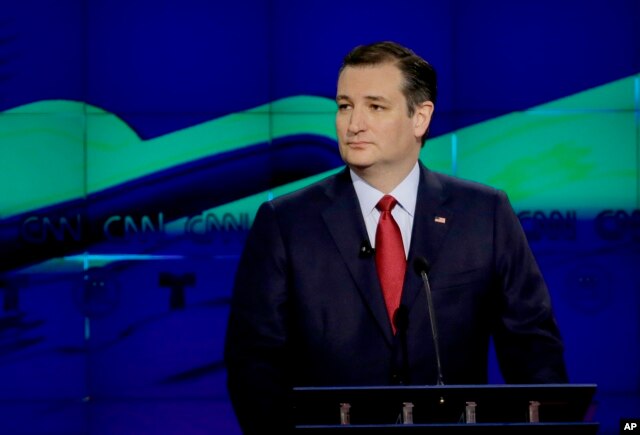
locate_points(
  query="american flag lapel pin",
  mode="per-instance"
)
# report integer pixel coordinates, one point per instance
(440, 220)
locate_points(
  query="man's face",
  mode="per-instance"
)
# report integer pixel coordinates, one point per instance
(375, 133)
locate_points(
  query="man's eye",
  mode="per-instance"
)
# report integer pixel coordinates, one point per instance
(343, 106)
(376, 107)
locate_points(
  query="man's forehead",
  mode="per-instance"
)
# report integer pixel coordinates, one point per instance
(370, 81)
(389, 68)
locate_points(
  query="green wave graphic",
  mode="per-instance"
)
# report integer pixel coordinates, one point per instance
(578, 152)
(54, 151)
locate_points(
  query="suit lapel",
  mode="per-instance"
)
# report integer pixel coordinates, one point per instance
(431, 223)
(349, 234)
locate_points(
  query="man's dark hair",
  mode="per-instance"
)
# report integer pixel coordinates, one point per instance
(420, 82)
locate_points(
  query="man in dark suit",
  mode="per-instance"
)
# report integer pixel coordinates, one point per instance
(310, 305)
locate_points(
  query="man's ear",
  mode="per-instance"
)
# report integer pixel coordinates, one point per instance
(422, 118)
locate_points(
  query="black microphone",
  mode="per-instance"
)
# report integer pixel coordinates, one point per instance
(422, 267)
(401, 322)
(366, 250)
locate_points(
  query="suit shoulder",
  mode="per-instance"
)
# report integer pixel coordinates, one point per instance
(312, 193)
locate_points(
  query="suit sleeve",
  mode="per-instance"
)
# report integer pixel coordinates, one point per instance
(528, 343)
(256, 338)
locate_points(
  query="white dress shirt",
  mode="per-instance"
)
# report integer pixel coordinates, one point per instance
(405, 193)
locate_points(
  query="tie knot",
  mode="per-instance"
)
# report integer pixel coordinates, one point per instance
(386, 203)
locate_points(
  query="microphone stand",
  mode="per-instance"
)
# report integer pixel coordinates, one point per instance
(434, 328)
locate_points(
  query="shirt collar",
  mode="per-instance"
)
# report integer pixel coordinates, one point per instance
(405, 193)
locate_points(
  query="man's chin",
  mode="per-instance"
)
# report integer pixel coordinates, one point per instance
(359, 163)
(359, 160)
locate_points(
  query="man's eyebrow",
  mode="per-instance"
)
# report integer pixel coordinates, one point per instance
(376, 98)
(368, 97)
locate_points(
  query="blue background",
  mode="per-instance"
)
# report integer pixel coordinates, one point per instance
(135, 346)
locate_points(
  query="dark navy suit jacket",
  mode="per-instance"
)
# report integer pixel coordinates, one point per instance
(307, 308)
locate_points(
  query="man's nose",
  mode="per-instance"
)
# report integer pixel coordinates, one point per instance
(357, 121)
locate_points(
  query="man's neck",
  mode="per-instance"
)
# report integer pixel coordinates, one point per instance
(384, 181)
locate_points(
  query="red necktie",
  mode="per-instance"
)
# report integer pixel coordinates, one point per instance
(391, 262)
